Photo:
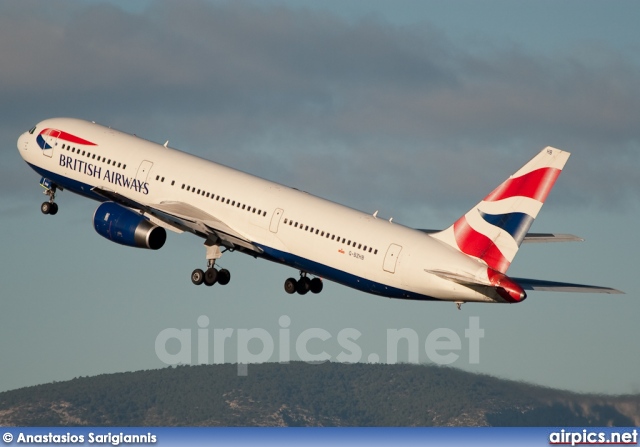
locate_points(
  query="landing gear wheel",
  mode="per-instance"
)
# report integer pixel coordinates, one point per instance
(54, 209)
(45, 208)
(316, 285)
(210, 276)
(224, 277)
(197, 277)
(303, 286)
(290, 285)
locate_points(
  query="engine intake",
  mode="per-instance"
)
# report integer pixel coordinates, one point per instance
(123, 226)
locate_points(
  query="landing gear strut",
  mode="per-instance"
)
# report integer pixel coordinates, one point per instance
(459, 304)
(303, 285)
(49, 207)
(212, 275)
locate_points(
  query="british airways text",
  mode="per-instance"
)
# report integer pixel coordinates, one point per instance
(96, 171)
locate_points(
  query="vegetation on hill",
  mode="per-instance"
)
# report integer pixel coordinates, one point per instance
(301, 394)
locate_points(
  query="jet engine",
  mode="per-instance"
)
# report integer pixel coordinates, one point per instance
(126, 227)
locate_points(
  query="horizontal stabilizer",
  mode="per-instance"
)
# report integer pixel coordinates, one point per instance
(533, 237)
(553, 286)
(457, 278)
(551, 237)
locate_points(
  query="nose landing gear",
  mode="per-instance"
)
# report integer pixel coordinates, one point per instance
(49, 207)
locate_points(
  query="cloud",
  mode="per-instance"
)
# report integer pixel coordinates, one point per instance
(398, 115)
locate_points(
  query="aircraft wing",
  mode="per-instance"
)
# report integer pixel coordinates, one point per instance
(553, 286)
(534, 237)
(180, 216)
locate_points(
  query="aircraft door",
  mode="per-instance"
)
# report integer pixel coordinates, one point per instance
(143, 171)
(50, 138)
(391, 258)
(275, 220)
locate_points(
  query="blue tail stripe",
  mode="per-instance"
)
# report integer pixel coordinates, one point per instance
(516, 224)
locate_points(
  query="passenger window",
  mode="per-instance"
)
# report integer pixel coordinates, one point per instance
(162, 179)
(173, 182)
(124, 166)
(375, 252)
(119, 164)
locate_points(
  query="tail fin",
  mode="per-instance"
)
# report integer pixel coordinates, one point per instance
(494, 229)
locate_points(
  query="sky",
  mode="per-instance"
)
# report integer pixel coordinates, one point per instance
(414, 108)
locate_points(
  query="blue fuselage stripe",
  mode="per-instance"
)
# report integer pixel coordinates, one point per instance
(75, 186)
(339, 276)
(271, 254)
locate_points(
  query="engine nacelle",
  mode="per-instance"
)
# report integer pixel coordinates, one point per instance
(123, 226)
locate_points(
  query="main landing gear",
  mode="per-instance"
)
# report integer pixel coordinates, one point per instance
(49, 207)
(303, 285)
(212, 275)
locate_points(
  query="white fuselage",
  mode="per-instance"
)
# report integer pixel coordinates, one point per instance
(290, 226)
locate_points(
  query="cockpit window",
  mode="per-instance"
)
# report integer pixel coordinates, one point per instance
(33, 129)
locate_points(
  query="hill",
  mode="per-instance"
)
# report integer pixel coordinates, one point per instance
(301, 394)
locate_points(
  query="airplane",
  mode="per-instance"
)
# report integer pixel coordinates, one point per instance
(147, 188)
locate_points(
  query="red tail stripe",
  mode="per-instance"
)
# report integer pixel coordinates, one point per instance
(478, 245)
(535, 185)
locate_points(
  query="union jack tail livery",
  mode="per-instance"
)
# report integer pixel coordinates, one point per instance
(494, 229)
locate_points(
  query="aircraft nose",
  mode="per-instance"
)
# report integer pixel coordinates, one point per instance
(22, 142)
